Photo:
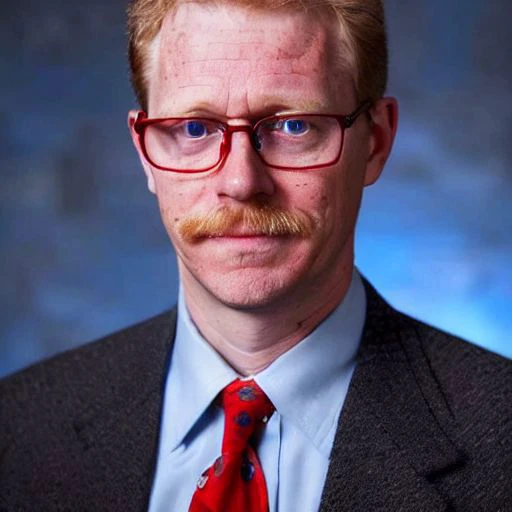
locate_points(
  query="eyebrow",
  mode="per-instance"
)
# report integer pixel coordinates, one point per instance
(267, 106)
(275, 105)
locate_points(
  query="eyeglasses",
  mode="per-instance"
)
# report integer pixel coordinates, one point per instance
(283, 141)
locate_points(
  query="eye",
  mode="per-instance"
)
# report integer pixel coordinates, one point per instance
(293, 126)
(195, 129)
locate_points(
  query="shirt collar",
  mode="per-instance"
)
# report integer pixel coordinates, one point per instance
(307, 384)
(197, 374)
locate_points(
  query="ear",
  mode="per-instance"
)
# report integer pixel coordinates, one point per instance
(383, 126)
(132, 116)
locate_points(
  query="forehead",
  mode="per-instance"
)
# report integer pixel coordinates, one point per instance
(235, 61)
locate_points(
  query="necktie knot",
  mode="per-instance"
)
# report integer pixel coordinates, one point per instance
(246, 410)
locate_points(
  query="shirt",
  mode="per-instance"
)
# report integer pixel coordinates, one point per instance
(307, 385)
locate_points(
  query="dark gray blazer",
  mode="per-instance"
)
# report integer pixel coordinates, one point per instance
(426, 425)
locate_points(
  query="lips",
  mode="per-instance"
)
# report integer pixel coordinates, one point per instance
(240, 232)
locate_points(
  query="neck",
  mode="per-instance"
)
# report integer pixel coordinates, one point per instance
(251, 339)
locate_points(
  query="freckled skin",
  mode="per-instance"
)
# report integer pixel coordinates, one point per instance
(227, 62)
(276, 58)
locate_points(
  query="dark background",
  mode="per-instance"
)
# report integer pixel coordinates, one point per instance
(83, 251)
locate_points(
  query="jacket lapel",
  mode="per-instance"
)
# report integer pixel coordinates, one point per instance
(120, 434)
(392, 444)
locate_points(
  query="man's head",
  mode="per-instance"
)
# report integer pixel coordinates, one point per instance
(247, 233)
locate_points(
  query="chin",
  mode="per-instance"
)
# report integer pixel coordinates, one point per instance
(250, 292)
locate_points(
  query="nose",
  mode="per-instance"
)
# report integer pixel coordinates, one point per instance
(243, 176)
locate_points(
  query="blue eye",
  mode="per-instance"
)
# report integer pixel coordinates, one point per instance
(196, 129)
(295, 126)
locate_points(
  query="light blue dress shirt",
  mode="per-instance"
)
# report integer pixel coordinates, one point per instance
(307, 385)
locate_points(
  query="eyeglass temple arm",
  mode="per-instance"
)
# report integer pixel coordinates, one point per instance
(141, 115)
(351, 118)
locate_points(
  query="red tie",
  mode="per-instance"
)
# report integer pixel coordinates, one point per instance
(235, 482)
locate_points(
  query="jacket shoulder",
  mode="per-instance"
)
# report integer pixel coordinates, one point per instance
(78, 430)
(476, 384)
(465, 368)
(52, 390)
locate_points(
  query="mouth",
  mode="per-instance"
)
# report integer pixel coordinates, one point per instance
(241, 233)
(248, 239)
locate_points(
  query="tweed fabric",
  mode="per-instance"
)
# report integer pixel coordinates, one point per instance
(426, 426)
(427, 423)
(79, 432)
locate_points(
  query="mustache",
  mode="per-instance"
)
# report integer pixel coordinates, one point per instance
(251, 219)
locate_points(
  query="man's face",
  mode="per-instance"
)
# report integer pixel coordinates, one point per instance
(224, 61)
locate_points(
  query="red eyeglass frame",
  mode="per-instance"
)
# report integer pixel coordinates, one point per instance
(141, 122)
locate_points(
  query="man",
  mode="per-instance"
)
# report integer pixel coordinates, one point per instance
(283, 382)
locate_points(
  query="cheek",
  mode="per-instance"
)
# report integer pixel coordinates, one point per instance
(176, 198)
(317, 195)
(333, 201)
(305, 192)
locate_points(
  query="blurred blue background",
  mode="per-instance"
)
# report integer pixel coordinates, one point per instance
(83, 250)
